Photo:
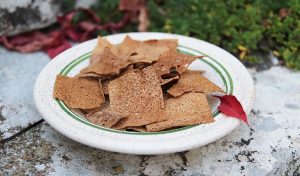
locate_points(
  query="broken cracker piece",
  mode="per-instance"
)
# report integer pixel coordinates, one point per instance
(101, 45)
(90, 111)
(171, 61)
(105, 118)
(188, 109)
(169, 43)
(107, 64)
(193, 81)
(82, 93)
(145, 51)
(166, 81)
(88, 75)
(137, 93)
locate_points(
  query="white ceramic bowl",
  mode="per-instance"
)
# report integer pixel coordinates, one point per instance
(220, 67)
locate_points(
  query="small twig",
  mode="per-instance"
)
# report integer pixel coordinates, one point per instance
(144, 163)
(21, 131)
(183, 157)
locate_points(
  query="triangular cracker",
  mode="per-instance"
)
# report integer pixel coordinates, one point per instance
(101, 44)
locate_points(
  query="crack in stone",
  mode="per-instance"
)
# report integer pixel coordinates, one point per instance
(25, 154)
(2, 118)
(297, 171)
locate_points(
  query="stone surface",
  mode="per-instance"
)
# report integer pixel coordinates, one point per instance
(17, 76)
(270, 146)
(25, 15)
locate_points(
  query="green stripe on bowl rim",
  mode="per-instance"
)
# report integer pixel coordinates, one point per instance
(206, 59)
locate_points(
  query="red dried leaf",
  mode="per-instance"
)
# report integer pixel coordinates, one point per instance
(87, 26)
(26, 38)
(33, 41)
(232, 107)
(117, 26)
(54, 51)
(54, 38)
(91, 14)
(54, 42)
(73, 34)
(84, 29)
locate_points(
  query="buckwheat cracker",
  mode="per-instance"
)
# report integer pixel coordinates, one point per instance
(101, 45)
(138, 94)
(172, 61)
(188, 109)
(107, 64)
(145, 51)
(193, 81)
(83, 93)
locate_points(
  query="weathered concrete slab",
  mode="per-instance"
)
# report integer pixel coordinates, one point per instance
(17, 76)
(25, 15)
(269, 147)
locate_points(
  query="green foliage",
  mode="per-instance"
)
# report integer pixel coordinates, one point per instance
(243, 27)
(108, 11)
(67, 5)
(247, 28)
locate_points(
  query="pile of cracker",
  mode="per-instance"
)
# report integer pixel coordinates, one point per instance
(138, 85)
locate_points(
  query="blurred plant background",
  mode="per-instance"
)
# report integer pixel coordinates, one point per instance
(252, 30)
(256, 31)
